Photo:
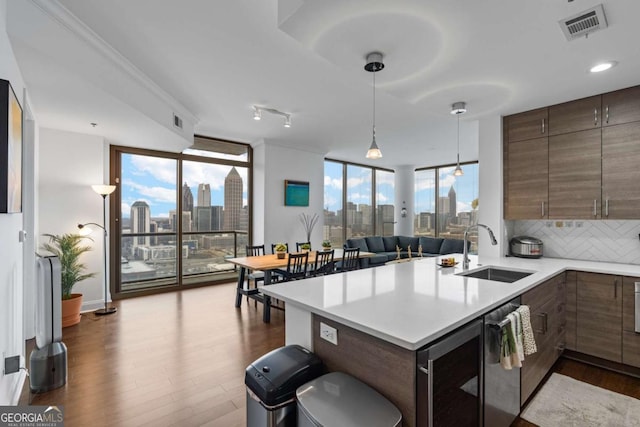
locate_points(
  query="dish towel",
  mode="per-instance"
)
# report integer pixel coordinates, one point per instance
(516, 361)
(507, 347)
(529, 342)
(519, 335)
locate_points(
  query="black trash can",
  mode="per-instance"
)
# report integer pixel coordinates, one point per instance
(272, 381)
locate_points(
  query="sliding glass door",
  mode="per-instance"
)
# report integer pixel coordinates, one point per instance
(179, 216)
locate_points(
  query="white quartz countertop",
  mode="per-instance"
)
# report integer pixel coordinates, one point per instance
(411, 304)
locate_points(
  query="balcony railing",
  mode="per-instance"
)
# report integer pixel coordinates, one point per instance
(151, 260)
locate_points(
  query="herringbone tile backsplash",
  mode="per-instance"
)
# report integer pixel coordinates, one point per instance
(604, 240)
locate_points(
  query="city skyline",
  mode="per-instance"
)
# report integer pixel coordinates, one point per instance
(153, 181)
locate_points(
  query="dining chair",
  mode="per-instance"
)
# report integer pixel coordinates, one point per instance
(299, 246)
(255, 275)
(324, 263)
(296, 267)
(350, 260)
(273, 247)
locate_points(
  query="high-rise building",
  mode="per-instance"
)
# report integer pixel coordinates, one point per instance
(217, 218)
(140, 222)
(453, 207)
(187, 198)
(204, 195)
(232, 200)
(202, 220)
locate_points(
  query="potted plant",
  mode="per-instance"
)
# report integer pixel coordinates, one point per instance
(68, 248)
(281, 249)
(326, 245)
(306, 247)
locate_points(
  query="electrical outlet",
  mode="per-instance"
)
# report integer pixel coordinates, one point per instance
(11, 365)
(328, 333)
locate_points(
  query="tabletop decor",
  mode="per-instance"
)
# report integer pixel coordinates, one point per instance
(308, 222)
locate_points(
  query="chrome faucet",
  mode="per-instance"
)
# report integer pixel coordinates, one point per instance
(465, 252)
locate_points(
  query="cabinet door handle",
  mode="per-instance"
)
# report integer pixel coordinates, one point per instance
(543, 328)
(615, 289)
(595, 207)
(606, 207)
(542, 210)
(595, 116)
(543, 120)
(607, 113)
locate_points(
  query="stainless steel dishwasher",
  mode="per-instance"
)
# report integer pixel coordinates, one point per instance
(449, 373)
(637, 308)
(501, 386)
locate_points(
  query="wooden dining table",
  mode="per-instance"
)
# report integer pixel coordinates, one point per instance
(268, 263)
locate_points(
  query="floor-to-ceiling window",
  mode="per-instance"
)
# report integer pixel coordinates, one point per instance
(445, 205)
(358, 201)
(179, 217)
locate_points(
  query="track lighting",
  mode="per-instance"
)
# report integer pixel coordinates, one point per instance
(257, 114)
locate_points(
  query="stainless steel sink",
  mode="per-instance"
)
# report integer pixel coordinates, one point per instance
(497, 274)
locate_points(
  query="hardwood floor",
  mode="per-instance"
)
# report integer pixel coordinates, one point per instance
(169, 359)
(179, 359)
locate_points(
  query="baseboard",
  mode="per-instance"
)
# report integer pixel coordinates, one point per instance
(13, 384)
(91, 305)
(602, 363)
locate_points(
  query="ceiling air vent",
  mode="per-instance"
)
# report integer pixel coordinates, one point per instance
(177, 121)
(584, 23)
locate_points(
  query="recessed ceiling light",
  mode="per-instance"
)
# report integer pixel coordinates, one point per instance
(603, 66)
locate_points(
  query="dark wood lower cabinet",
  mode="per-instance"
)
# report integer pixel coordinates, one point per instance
(599, 315)
(547, 304)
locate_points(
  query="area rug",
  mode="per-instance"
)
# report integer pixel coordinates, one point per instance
(563, 401)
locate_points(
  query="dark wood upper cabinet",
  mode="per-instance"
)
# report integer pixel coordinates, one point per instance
(574, 116)
(575, 175)
(621, 106)
(527, 125)
(621, 171)
(528, 179)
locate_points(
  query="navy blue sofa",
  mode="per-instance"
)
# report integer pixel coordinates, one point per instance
(385, 247)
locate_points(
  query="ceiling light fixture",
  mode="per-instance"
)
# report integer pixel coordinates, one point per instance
(257, 114)
(603, 66)
(458, 108)
(373, 65)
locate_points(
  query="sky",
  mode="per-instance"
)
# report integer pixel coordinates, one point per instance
(153, 180)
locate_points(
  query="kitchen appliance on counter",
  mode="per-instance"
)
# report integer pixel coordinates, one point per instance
(501, 386)
(525, 247)
(450, 379)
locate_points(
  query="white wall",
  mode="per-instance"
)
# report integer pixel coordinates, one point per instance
(490, 192)
(69, 163)
(281, 223)
(405, 192)
(11, 250)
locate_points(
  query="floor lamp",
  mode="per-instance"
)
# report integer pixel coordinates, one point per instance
(104, 191)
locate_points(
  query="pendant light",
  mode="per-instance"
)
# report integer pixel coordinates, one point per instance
(458, 108)
(373, 65)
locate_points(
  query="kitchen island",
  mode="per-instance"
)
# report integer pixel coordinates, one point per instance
(383, 315)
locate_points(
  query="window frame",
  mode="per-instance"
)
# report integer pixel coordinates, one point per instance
(437, 168)
(374, 200)
(115, 202)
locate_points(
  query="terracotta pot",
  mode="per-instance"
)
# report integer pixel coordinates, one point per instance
(71, 310)
(281, 255)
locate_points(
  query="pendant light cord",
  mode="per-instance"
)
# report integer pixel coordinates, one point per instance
(374, 101)
(458, 116)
